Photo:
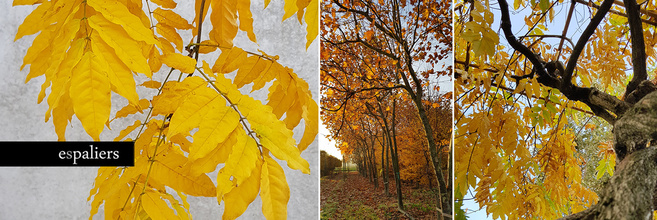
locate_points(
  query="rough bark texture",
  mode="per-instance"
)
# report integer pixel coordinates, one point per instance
(629, 193)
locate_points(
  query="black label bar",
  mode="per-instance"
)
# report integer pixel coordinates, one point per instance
(60, 154)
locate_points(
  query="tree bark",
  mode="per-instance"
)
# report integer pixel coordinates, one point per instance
(629, 194)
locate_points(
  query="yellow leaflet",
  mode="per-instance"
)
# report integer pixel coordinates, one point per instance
(271, 72)
(273, 133)
(312, 22)
(173, 93)
(165, 3)
(178, 61)
(310, 119)
(127, 130)
(154, 61)
(214, 129)
(61, 84)
(290, 8)
(229, 60)
(118, 13)
(62, 114)
(151, 84)
(274, 190)
(131, 109)
(168, 169)
(119, 74)
(113, 205)
(26, 2)
(104, 178)
(301, 4)
(170, 18)
(170, 34)
(42, 42)
(281, 97)
(126, 49)
(219, 154)
(242, 159)
(34, 22)
(246, 20)
(59, 47)
(207, 49)
(239, 198)
(156, 207)
(39, 66)
(180, 211)
(181, 141)
(193, 109)
(224, 22)
(90, 93)
(252, 68)
(166, 46)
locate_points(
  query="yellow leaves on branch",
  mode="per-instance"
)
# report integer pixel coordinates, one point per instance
(88, 49)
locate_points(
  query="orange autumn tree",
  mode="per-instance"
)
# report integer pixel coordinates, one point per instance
(516, 156)
(401, 42)
(88, 49)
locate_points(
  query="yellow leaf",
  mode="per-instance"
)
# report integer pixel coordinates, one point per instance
(178, 61)
(214, 129)
(290, 7)
(239, 198)
(312, 22)
(168, 169)
(156, 207)
(34, 22)
(274, 190)
(154, 61)
(26, 2)
(151, 84)
(118, 13)
(119, 74)
(170, 34)
(90, 93)
(193, 109)
(170, 18)
(62, 114)
(173, 93)
(224, 22)
(126, 49)
(242, 159)
(229, 60)
(61, 84)
(165, 46)
(219, 154)
(127, 130)
(250, 69)
(311, 119)
(207, 49)
(246, 20)
(165, 3)
(273, 133)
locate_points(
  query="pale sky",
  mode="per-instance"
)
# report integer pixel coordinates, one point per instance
(326, 144)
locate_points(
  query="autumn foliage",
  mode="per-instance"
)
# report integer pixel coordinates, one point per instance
(381, 61)
(199, 118)
(521, 97)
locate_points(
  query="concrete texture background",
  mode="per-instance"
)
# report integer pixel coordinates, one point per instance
(61, 193)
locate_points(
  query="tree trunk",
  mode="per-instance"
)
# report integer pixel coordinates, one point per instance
(395, 158)
(630, 191)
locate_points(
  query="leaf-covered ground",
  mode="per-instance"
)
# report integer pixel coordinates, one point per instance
(354, 197)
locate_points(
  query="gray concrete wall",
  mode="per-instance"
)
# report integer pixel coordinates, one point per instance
(61, 193)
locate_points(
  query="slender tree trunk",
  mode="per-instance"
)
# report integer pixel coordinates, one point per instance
(384, 168)
(395, 158)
